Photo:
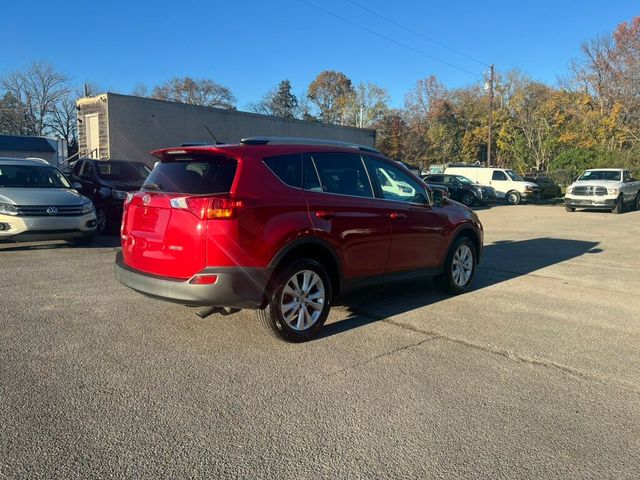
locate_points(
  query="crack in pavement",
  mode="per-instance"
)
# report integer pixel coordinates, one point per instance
(509, 355)
(380, 355)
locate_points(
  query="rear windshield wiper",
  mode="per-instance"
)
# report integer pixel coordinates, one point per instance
(152, 186)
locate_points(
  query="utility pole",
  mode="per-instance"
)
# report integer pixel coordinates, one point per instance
(490, 115)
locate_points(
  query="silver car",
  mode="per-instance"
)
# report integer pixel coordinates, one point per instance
(37, 202)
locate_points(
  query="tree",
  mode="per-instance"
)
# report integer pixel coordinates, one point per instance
(278, 101)
(201, 92)
(140, 90)
(330, 92)
(34, 93)
(366, 105)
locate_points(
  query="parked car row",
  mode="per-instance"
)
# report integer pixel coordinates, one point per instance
(282, 226)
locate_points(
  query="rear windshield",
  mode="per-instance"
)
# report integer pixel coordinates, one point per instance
(122, 171)
(197, 175)
(27, 176)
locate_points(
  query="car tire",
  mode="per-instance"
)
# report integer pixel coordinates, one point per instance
(291, 312)
(618, 208)
(636, 204)
(102, 221)
(513, 197)
(569, 209)
(468, 199)
(459, 267)
(85, 240)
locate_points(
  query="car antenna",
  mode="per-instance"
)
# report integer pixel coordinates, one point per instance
(218, 142)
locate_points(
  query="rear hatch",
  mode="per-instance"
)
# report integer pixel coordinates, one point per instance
(164, 225)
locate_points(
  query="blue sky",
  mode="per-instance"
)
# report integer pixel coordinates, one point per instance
(250, 46)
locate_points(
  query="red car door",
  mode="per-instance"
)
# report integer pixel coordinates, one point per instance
(344, 211)
(418, 233)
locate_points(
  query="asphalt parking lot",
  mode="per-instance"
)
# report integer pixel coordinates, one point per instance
(533, 374)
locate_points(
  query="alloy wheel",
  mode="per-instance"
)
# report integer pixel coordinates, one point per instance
(462, 265)
(303, 299)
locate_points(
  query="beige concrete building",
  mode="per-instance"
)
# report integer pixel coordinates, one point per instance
(126, 127)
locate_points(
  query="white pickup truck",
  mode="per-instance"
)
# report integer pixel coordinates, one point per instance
(603, 188)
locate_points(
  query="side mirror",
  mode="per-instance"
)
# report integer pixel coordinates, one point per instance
(76, 185)
(438, 198)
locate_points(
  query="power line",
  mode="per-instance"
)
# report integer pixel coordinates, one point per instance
(415, 32)
(389, 39)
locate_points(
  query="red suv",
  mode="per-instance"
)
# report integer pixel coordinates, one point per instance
(285, 226)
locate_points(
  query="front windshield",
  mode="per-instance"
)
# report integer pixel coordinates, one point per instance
(601, 175)
(514, 176)
(31, 176)
(123, 171)
(464, 180)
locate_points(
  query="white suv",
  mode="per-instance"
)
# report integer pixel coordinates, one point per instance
(37, 202)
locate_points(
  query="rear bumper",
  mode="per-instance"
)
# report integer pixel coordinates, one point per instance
(235, 287)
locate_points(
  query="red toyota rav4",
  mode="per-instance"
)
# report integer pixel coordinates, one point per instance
(285, 225)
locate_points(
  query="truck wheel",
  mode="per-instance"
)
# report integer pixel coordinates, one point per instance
(459, 267)
(618, 208)
(468, 199)
(569, 209)
(300, 301)
(513, 197)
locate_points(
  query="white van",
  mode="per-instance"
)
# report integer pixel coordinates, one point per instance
(507, 183)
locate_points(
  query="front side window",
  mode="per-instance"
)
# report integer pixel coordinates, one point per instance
(76, 168)
(464, 180)
(498, 175)
(342, 173)
(451, 181)
(19, 176)
(395, 184)
(435, 179)
(87, 170)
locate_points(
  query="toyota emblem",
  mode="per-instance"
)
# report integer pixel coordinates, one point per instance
(52, 210)
(146, 199)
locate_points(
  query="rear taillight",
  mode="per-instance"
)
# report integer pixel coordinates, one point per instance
(212, 208)
(223, 208)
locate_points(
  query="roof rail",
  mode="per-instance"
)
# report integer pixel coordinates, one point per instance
(303, 141)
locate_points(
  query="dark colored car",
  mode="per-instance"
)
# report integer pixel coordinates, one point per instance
(548, 188)
(463, 190)
(106, 183)
(285, 227)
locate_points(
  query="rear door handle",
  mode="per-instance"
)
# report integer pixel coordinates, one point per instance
(326, 215)
(397, 216)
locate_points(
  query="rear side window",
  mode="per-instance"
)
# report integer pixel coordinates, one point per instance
(197, 175)
(343, 174)
(287, 168)
(435, 179)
